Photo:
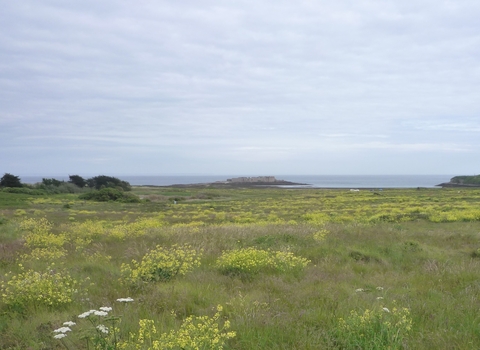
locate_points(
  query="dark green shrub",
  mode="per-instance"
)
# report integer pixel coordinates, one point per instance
(102, 181)
(110, 194)
(363, 257)
(9, 180)
(51, 182)
(476, 253)
(77, 180)
(412, 246)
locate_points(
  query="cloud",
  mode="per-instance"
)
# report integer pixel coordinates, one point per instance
(269, 82)
(466, 126)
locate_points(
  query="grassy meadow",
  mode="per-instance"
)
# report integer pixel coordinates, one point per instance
(270, 268)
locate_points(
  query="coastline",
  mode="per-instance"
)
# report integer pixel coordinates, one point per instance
(226, 184)
(300, 181)
(458, 185)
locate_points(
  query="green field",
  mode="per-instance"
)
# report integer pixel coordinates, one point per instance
(242, 269)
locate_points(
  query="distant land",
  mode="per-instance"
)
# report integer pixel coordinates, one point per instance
(244, 182)
(462, 181)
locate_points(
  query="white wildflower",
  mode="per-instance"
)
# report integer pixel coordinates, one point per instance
(386, 310)
(100, 313)
(69, 323)
(60, 336)
(106, 308)
(62, 330)
(86, 314)
(379, 298)
(359, 290)
(379, 288)
(125, 300)
(102, 328)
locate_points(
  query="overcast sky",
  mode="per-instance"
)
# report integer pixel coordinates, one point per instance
(239, 87)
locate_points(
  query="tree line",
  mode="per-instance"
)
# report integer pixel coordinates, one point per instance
(96, 182)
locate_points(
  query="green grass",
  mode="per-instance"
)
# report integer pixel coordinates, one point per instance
(388, 250)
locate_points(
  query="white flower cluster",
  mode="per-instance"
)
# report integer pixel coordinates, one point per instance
(62, 330)
(125, 300)
(102, 328)
(102, 311)
(86, 314)
(359, 290)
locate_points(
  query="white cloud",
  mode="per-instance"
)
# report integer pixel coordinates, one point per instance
(273, 82)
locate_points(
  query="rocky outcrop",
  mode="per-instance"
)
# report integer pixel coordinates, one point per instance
(255, 179)
(259, 181)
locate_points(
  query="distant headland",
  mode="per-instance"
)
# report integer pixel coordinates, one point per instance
(462, 181)
(260, 181)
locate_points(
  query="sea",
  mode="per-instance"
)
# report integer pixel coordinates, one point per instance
(310, 181)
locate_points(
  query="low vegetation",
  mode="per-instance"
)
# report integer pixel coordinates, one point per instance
(110, 194)
(466, 180)
(187, 268)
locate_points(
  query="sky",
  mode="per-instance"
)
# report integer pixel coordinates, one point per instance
(239, 87)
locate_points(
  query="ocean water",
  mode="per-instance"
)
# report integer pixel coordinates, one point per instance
(315, 181)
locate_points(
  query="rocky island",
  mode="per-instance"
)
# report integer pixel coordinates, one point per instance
(256, 181)
(462, 181)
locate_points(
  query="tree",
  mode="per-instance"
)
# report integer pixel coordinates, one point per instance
(9, 180)
(77, 180)
(51, 182)
(102, 181)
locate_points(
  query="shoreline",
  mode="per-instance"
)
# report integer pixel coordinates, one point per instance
(315, 181)
(457, 185)
(221, 184)
(290, 186)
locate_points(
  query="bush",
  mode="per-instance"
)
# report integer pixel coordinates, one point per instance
(252, 261)
(39, 234)
(102, 181)
(110, 194)
(62, 187)
(29, 288)
(104, 331)
(196, 332)
(162, 264)
(24, 190)
(51, 182)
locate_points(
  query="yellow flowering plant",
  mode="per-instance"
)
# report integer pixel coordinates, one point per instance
(51, 288)
(252, 261)
(195, 332)
(162, 264)
(39, 235)
(44, 254)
